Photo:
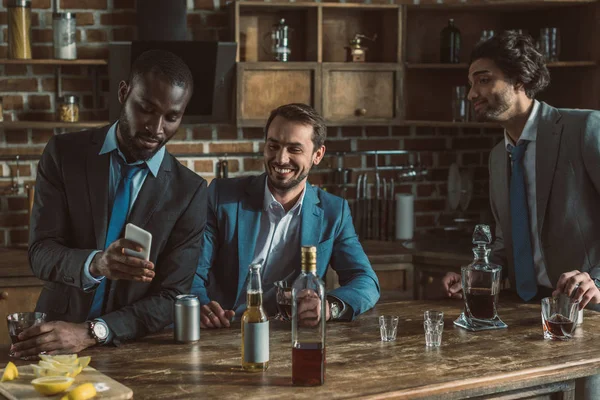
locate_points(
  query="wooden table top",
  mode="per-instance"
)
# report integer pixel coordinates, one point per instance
(358, 363)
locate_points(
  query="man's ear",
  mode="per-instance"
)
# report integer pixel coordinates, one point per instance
(519, 87)
(124, 89)
(319, 155)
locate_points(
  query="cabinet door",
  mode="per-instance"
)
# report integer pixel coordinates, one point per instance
(262, 87)
(358, 94)
(16, 299)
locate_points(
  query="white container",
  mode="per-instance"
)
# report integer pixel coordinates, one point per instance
(405, 217)
(65, 34)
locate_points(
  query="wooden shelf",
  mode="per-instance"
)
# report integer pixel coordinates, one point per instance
(450, 124)
(51, 61)
(558, 64)
(51, 124)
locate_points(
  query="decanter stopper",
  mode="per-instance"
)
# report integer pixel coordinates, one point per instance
(482, 235)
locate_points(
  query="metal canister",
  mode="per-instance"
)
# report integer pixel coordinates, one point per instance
(187, 318)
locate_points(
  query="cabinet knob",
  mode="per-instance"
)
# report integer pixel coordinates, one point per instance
(429, 280)
(3, 295)
(361, 112)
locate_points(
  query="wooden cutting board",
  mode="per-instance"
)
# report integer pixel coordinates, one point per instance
(22, 389)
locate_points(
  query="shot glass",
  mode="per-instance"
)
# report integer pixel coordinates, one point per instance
(559, 317)
(433, 322)
(388, 327)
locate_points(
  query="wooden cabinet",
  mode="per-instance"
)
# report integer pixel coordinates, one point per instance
(263, 87)
(354, 94)
(402, 80)
(16, 299)
(345, 93)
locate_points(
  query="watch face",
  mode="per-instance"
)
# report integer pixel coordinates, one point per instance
(100, 330)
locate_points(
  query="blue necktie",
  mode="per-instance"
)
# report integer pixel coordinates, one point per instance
(519, 215)
(118, 217)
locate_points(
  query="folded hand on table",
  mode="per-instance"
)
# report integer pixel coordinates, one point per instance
(212, 315)
(452, 285)
(309, 308)
(578, 285)
(56, 337)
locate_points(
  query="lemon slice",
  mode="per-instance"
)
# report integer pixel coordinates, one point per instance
(50, 385)
(81, 392)
(84, 361)
(71, 370)
(10, 372)
(39, 372)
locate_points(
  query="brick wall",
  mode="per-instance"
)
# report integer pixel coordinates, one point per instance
(28, 94)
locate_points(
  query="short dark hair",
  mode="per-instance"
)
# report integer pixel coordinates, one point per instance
(172, 68)
(516, 55)
(304, 114)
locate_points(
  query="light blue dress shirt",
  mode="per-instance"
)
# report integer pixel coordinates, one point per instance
(111, 146)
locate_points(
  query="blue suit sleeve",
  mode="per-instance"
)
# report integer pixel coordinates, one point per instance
(210, 246)
(359, 286)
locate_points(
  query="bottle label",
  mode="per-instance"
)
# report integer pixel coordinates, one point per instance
(256, 342)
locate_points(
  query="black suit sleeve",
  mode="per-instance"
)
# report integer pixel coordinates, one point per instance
(175, 269)
(49, 257)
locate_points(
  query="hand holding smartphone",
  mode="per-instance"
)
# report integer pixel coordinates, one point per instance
(138, 235)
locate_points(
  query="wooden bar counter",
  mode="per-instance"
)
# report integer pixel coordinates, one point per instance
(511, 363)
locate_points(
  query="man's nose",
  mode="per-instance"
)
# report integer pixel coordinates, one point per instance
(156, 125)
(282, 156)
(472, 94)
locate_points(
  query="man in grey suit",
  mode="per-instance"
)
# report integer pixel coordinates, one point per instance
(89, 185)
(560, 161)
(544, 180)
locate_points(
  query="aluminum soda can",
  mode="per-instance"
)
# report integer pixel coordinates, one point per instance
(187, 318)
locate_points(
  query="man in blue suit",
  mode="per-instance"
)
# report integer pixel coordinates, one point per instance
(267, 218)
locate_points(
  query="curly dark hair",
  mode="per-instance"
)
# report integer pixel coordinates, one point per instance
(305, 114)
(516, 55)
(169, 66)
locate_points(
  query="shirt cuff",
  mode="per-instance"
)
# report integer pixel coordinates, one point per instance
(110, 336)
(88, 282)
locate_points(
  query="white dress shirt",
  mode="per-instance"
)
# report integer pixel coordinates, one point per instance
(278, 239)
(530, 133)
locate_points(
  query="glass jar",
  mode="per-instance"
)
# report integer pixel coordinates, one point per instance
(64, 27)
(19, 29)
(68, 108)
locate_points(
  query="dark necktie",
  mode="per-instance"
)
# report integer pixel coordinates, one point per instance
(519, 213)
(118, 217)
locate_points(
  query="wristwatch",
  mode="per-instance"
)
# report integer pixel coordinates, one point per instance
(98, 330)
(596, 282)
(335, 308)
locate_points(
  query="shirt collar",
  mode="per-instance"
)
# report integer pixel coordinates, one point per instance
(270, 199)
(529, 130)
(111, 144)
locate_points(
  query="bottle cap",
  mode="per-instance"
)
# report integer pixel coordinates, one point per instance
(309, 258)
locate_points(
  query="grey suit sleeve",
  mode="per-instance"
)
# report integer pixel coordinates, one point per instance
(174, 275)
(49, 257)
(359, 286)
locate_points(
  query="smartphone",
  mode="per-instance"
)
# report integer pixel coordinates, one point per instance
(138, 235)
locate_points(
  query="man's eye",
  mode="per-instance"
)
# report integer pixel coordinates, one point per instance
(295, 150)
(484, 80)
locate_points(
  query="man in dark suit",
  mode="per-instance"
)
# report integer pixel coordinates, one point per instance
(89, 185)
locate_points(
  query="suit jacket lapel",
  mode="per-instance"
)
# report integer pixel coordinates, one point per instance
(152, 193)
(547, 146)
(310, 228)
(97, 171)
(249, 211)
